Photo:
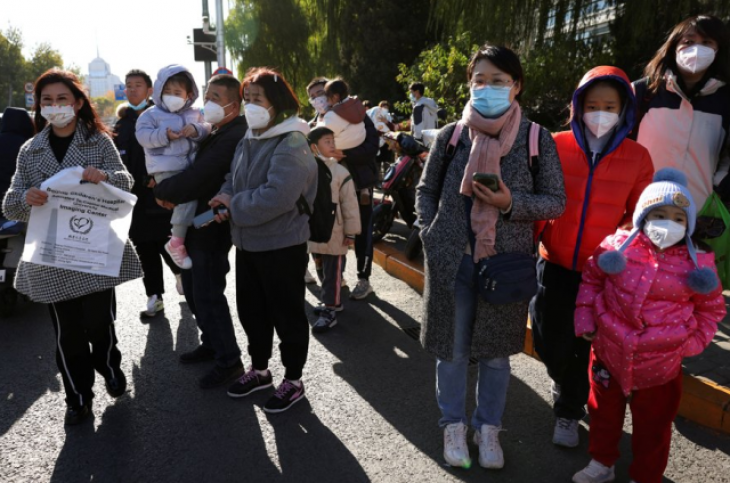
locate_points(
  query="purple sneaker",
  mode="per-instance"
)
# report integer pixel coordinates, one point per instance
(250, 382)
(285, 397)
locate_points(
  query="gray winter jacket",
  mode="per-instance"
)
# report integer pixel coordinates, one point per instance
(266, 179)
(162, 154)
(499, 330)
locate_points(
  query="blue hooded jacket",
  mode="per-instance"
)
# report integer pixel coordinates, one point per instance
(162, 154)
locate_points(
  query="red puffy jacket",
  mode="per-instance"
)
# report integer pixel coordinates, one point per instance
(601, 196)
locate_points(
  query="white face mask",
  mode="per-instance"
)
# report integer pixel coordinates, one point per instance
(257, 117)
(664, 233)
(173, 103)
(320, 104)
(696, 58)
(59, 116)
(600, 122)
(213, 113)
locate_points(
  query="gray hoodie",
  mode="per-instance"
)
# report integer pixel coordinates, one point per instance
(268, 174)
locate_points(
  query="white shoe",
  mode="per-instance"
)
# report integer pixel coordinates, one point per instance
(154, 305)
(309, 278)
(566, 433)
(456, 452)
(555, 391)
(490, 451)
(595, 472)
(179, 285)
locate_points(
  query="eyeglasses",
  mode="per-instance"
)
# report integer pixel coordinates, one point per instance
(479, 84)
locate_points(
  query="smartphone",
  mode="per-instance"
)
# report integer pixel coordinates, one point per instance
(489, 180)
(206, 218)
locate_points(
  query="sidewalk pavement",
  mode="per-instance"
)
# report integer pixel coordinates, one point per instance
(706, 397)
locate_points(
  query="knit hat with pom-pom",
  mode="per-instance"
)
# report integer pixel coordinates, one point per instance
(668, 189)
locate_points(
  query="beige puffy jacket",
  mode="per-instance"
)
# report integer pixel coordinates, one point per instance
(347, 220)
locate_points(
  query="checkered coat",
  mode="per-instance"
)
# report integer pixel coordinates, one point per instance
(37, 163)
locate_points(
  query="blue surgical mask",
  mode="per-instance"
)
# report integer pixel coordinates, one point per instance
(412, 97)
(139, 106)
(491, 101)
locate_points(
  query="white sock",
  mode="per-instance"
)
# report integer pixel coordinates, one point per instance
(297, 383)
(262, 373)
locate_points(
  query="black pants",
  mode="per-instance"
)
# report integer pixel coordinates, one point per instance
(565, 355)
(85, 341)
(149, 256)
(205, 286)
(270, 296)
(364, 241)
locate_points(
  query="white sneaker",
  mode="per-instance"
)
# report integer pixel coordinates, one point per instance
(179, 285)
(555, 391)
(595, 472)
(154, 305)
(309, 278)
(456, 452)
(566, 433)
(490, 451)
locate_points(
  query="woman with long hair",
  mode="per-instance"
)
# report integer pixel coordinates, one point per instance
(82, 305)
(684, 105)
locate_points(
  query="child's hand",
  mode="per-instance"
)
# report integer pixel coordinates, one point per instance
(589, 336)
(348, 242)
(189, 131)
(338, 155)
(151, 183)
(173, 135)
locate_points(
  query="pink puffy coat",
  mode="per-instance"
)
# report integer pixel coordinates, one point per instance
(646, 318)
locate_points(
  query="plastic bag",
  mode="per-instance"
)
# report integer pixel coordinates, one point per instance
(714, 208)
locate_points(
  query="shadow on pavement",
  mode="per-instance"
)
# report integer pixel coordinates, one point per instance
(28, 366)
(701, 436)
(397, 377)
(168, 430)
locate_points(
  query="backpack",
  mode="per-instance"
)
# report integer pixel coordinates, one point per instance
(322, 215)
(533, 152)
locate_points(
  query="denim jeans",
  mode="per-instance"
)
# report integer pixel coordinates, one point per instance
(204, 286)
(451, 376)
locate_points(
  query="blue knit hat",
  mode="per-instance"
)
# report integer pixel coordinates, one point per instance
(668, 189)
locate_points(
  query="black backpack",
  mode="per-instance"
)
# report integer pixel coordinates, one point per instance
(323, 213)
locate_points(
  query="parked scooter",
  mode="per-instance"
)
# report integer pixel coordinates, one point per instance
(399, 183)
(414, 246)
(12, 239)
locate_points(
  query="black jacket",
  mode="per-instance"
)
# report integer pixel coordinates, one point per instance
(150, 222)
(203, 180)
(16, 129)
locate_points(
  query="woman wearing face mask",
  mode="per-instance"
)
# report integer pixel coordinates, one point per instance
(82, 305)
(273, 174)
(684, 105)
(605, 174)
(463, 222)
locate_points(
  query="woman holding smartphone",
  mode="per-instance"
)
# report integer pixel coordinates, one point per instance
(463, 222)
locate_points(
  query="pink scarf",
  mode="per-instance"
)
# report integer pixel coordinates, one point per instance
(491, 139)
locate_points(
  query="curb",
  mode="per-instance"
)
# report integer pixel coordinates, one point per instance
(703, 401)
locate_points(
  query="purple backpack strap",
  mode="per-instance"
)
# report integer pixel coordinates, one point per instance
(451, 148)
(533, 144)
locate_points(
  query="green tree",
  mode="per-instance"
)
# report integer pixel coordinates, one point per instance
(442, 68)
(12, 72)
(44, 57)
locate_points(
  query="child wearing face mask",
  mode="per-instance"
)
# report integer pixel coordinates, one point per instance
(344, 115)
(648, 299)
(170, 133)
(604, 174)
(347, 225)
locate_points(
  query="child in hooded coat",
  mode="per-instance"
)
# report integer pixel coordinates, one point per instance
(648, 299)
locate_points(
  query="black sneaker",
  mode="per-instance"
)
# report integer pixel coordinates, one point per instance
(327, 320)
(116, 386)
(322, 307)
(77, 415)
(220, 376)
(250, 382)
(199, 354)
(285, 397)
